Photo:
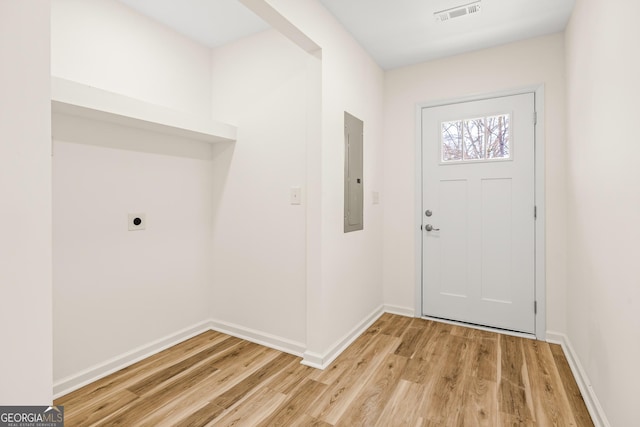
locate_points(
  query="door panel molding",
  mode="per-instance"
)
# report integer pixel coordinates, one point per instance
(539, 195)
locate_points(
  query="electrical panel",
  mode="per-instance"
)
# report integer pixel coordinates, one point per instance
(353, 171)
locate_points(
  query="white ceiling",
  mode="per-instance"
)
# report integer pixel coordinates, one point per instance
(212, 23)
(403, 32)
(394, 32)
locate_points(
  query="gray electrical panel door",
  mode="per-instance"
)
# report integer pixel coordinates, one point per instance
(353, 181)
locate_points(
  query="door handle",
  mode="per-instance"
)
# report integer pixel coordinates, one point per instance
(429, 227)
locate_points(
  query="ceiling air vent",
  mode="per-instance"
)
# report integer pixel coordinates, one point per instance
(458, 11)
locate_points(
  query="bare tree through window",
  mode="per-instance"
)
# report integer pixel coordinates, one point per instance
(451, 141)
(482, 138)
(474, 131)
(498, 137)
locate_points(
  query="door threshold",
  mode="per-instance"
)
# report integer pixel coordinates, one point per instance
(481, 327)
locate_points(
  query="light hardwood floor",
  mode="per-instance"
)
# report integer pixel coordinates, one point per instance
(400, 372)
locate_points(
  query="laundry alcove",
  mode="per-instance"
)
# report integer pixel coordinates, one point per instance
(223, 246)
(114, 155)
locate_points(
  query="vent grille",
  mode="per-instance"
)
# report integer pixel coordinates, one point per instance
(456, 12)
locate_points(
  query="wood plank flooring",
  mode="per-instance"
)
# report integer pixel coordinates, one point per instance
(400, 372)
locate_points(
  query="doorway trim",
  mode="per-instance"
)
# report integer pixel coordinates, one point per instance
(539, 196)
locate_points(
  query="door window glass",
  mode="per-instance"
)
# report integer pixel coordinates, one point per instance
(474, 132)
(498, 137)
(476, 139)
(451, 141)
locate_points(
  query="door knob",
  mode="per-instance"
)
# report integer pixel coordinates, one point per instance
(429, 227)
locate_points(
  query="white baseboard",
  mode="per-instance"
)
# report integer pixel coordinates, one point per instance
(584, 384)
(258, 337)
(400, 311)
(315, 360)
(321, 361)
(73, 382)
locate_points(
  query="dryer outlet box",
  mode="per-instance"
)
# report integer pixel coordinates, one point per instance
(137, 221)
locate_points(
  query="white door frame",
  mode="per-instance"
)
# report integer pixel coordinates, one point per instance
(540, 281)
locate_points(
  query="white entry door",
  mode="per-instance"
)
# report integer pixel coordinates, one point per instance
(478, 221)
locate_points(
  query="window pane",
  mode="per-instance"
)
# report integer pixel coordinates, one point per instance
(498, 141)
(451, 141)
(473, 133)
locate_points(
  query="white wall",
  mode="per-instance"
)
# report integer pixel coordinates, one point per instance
(25, 213)
(513, 66)
(603, 317)
(347, 286)
(114, 290)
(105, 44)
(258, 265)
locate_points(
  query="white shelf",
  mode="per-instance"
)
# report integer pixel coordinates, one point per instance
(69, 98)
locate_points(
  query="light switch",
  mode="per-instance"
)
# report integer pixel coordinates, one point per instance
(295, 196)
